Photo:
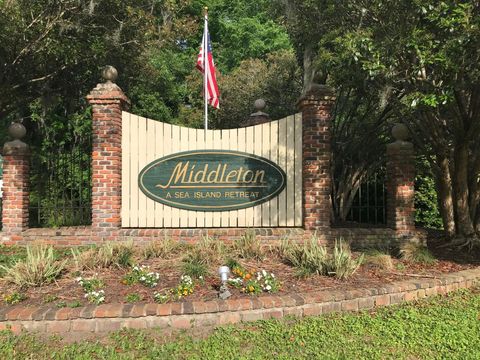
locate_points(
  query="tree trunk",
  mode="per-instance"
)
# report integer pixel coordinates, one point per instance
(445, 199)
(460, 188)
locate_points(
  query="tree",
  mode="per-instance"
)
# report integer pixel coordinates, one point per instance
(432, 56)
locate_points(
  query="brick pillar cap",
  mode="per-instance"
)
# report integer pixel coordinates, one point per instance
(104, 92)
(16, 147)
(317, 92)
(399, 145)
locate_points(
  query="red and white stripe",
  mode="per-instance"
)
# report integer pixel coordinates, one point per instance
(208, 63)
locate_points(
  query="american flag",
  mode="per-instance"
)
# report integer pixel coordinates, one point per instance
(213, 93)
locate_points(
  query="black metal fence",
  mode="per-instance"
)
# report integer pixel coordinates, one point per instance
(369, 205)
(60, 193)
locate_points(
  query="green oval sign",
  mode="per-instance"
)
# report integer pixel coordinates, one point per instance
(211, 180)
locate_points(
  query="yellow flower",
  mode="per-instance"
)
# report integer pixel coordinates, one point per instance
(251, 288)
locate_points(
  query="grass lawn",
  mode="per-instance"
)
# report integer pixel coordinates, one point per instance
(441, 328)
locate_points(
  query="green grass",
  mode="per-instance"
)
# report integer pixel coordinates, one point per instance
(9, 255)
(440, 328)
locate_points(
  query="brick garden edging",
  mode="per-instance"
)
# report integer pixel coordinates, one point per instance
(93, 319)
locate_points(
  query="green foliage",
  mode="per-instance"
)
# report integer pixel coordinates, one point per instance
(14, 298)
(312, 258)
(426, 203)
(342, 264)
(38, 268)
(141, 274)
(109, 254)
(438, 328)
(163, 249)
(309, 257)
(417, 253)
(9, 255)
(248, 246)
(133, 298)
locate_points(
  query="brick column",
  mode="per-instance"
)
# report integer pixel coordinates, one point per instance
(16, 196)
(108, 101)
(400, 182)
(316, 106)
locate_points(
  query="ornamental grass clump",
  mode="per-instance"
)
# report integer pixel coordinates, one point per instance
(248, 246)
(109, 254)
(417, 253)
(39, 267)
(163, 249)
(342, 264)
(379, 260)
(309, 258)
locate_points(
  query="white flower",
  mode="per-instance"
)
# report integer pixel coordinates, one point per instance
(264, 273)
(268, 287)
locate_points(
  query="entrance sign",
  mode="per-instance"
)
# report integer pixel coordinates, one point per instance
(212, 180)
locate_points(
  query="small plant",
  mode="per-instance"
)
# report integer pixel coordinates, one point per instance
(185, 287)
(248, 246)
(252, 287)
(14, 298)
(61, 304)
(417, 253)
(90, 284)
(93, 289)
(268, 281)
(38, 268)
(96, 297)
(399, 266)
(342, 263)
(195, 265)
(161, 298)
(74, 304)
(132, 298)
(50, 298)
(142, 275)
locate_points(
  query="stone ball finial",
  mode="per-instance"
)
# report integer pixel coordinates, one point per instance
(16, 130)
(400, 132)
(259, 104)
(110, 74)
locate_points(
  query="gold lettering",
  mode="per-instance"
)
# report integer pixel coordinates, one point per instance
(177, 173)
(248, 172)
(261, 174)
(202, 174)
(231, 175)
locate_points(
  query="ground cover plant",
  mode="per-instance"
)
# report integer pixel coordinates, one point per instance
(167, 271)
(444, 327)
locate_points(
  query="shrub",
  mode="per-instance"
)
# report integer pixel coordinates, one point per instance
(379, 260)
(309, 257)
(342, 264)
(160, 249)
(38, 268)
(417, 253)
(107, 255)
(248, 246)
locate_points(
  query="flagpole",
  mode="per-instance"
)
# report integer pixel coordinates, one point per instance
(205, 68)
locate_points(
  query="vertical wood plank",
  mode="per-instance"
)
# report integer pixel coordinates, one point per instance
(183, 215)
(242, 146)
(159, 141)
(290, 171)
(233, 145)
(282, 162)
(133, 171)
(167, 150)
(192, 145)
(142, 161)
(176, 141)
(257, 148)
(199, 145)
(225, 144)
(298, 170)
(125, 169)
(274, 158)
(266, 154)
(217, 144)
(150, 156)
(250, 148)
(209, 145)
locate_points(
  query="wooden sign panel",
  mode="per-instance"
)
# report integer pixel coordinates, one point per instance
(212, 180)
